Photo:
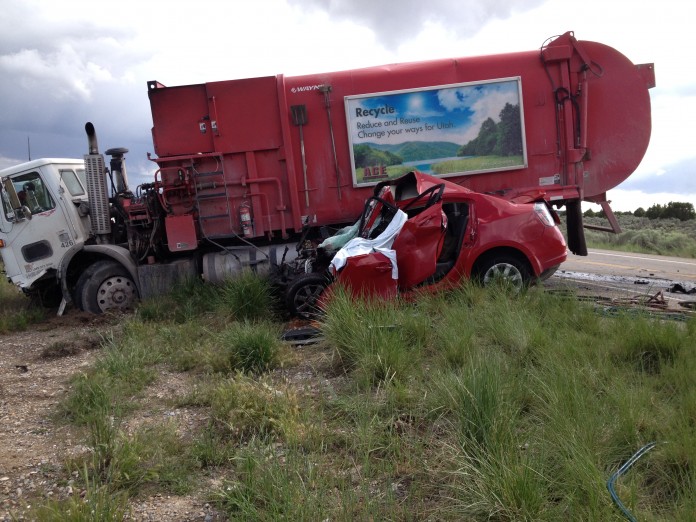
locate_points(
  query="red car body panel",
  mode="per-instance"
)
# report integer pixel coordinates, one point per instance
(488, 226)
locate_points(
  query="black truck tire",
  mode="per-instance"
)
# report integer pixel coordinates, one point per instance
(105, 285)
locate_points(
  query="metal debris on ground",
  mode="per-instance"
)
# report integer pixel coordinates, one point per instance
(302, 335)
(657, 302)
(676, 288)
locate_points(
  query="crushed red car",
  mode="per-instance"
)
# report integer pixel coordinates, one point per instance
(420, 231)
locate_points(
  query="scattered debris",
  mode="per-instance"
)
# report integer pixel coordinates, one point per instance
(302, 335)
(676, 288)
(623, 469)
(657, 299)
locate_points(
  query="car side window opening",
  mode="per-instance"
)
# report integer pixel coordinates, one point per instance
(32, 192)
(457, 217)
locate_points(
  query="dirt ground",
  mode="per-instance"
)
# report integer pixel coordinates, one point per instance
(35, 370)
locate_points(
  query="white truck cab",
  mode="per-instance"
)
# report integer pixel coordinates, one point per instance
(45, 215)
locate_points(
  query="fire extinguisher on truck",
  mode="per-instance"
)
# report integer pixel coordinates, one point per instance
(245, 221)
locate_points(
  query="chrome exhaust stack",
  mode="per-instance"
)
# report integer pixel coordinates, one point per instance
(97, 192)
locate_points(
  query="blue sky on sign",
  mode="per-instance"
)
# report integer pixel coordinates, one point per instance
(65, 63)
(453, 114)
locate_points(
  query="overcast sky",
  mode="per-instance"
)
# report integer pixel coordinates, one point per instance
(66, 62)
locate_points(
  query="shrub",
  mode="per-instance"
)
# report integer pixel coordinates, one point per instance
(247, 297)
(379, 341)
(250, 347)
(648, 344)
(246, 408)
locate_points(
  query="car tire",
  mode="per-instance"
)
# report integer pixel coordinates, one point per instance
(504, 269)
(302, 295)
(106, 285)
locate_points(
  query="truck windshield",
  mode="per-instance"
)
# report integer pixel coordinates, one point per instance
(32, 193)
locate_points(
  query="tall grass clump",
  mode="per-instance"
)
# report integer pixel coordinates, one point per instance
(455, 336)
(247, 297)
(250, 347)
(98, 502)
(649, 344)
(288, 486)
(380, 342)
(151, 458)
(501, 483)
(17, 312)
(476, 400)
(246, 408)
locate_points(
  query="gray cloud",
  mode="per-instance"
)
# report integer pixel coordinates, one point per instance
(396, 22)
(56, 74)
(678, 177)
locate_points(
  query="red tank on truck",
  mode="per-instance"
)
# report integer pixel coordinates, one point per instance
(263, 173)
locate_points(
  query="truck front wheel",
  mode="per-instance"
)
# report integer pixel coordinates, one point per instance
(106, 285)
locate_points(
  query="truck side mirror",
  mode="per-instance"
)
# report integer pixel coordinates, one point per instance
(21, 211)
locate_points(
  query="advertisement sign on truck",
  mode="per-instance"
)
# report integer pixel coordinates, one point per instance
(447, 130)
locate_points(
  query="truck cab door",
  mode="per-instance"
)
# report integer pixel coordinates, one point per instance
(36, 234)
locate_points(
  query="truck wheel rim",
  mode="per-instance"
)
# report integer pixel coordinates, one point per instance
(115, 292)
(504, 273)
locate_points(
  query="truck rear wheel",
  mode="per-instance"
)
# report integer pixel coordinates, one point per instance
(106, 285)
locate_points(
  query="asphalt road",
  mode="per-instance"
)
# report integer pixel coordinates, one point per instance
(611, 273)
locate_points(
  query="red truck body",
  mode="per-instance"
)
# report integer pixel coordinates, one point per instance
(260, 173)
(234, 149)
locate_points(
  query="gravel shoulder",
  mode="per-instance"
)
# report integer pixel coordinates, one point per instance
(35, 371)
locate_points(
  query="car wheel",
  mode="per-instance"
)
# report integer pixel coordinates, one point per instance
(504, 270)
(302, 295)
(106, 285)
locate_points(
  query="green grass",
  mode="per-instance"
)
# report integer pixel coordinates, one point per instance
(469, 405)
(17, 313)
(477, 163)
(669, 237)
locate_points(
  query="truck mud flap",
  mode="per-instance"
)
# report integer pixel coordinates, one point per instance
(576, 233)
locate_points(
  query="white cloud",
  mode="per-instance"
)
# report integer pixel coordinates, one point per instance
(629, 200)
